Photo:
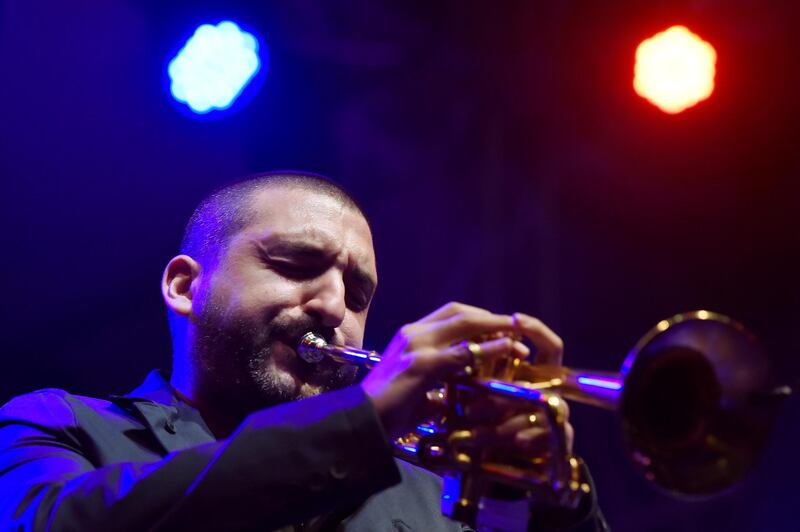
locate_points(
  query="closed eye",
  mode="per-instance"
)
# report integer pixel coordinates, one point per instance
(295, 270)
(356, 302)
(360, 289)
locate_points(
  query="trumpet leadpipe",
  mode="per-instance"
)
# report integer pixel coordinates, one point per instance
(313, 348)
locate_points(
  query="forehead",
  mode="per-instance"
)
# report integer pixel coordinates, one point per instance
(298, 213)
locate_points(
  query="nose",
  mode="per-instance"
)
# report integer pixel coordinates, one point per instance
(326, 301)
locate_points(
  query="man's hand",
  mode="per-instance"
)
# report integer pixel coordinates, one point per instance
(430, 350)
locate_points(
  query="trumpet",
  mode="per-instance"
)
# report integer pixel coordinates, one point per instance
(694, 397)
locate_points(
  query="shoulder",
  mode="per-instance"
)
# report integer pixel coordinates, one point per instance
(39, 406)
(51, 406)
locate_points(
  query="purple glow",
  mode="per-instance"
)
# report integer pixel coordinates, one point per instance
(516, 391)
(503, 387)
(600, 383)
(410, 449)
(356, 354)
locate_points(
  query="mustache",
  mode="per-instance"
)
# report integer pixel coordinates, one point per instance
(292, 329)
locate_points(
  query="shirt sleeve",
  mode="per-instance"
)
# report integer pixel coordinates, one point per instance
(282, 465)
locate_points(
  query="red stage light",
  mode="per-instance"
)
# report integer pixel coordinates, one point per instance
(674, 69)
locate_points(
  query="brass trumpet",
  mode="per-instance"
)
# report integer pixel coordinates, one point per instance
(694, 397)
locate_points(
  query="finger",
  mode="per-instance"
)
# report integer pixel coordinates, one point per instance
(457, 357)
(465, 326)
(451, 309)
(530, 419)
(433, 407)
(502, 436)
(538, 437)
(534, 440)
(548, 344)
(493, 410)
(570, 434)
(516, 424)
(495, 348)
(521, 350)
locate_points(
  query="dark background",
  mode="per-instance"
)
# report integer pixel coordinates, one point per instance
(498, 147)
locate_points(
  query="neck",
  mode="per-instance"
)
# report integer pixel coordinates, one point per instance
(219, 413)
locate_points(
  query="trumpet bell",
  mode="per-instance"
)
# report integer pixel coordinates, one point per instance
(696, 406)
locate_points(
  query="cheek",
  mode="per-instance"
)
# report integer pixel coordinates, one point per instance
(353, 329)
(267, 291)
(257, 294)
(270, 287)
(208, 300)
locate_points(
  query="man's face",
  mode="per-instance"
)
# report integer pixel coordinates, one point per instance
(303, 263)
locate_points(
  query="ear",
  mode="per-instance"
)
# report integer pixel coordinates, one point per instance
(177, 284)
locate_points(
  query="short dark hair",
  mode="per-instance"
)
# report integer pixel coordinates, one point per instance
(227, 210)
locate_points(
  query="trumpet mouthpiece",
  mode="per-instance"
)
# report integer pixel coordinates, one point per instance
(311, 348)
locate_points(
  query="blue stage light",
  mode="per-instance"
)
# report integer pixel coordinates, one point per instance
(213, 67)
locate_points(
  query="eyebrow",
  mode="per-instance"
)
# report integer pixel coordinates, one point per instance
(296, 249)
(298, 245)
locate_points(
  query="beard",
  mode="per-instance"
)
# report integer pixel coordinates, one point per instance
(254, 364)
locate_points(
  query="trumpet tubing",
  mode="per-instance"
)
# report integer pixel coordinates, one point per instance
(694, 399)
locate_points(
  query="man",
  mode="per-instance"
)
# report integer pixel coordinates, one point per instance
(227, 443)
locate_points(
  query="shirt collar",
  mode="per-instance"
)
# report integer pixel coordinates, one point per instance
(175, 424)
(155, 388)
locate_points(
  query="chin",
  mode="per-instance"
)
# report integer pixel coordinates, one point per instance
(279, 383)
(308, 390)
(325, 378)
